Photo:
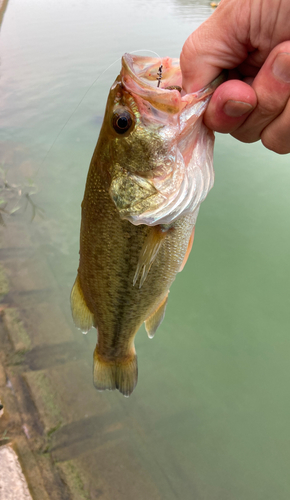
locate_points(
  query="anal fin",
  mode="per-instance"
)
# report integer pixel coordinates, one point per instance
(82, 316)
(149, 252)
(155, 320)
(189, 247)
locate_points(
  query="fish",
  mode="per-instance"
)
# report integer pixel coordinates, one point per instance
(151, 169)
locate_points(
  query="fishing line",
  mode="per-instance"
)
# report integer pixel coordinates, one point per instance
(85, 94)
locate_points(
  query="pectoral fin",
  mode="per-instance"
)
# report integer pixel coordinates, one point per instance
(150, 249)
(155, 320)
(189, 247)
(82, 316)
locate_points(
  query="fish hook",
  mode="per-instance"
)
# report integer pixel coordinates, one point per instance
(159, 75)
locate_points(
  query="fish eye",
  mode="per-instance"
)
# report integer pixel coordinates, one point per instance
(122, 121)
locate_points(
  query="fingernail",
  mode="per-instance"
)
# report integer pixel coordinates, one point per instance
(234, 109)
(281, 67)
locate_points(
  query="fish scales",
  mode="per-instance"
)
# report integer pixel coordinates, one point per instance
(108, 281)
(143, 191)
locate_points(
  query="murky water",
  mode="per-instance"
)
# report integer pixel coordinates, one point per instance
(209, 418)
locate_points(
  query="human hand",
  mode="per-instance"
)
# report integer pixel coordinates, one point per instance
(251, 38)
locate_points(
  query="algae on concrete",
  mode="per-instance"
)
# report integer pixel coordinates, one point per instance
(45, 399)
(16, 330)
(4, 285)
(73, 480)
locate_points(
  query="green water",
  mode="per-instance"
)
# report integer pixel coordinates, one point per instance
(212, 400)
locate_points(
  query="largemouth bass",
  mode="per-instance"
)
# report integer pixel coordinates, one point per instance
(151, 169)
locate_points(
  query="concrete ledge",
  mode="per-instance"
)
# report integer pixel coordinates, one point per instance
(17, 333)
(12, 481)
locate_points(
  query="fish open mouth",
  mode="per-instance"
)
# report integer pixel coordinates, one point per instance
(156, 80)
(163, 73)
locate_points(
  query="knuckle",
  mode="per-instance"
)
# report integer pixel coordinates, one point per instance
(247, 136)
(275, 143)
(268, 107)
(271, 101)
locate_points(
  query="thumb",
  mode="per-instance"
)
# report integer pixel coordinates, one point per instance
(215, 45)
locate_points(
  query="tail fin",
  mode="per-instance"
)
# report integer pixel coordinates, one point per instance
(121, 374)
